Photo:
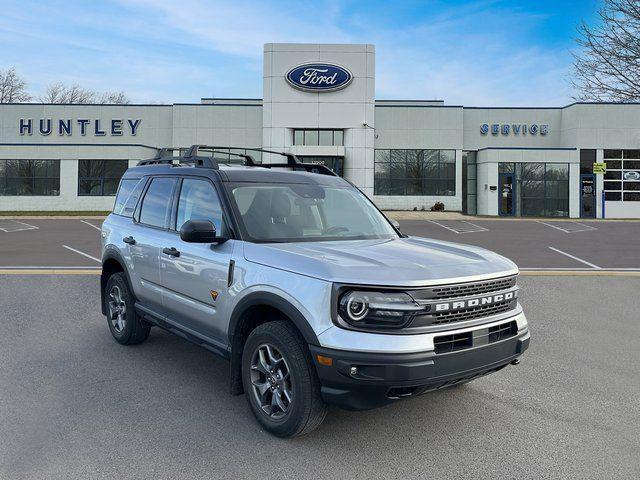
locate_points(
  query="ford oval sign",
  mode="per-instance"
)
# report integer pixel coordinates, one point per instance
(631, 175)
(319, 77)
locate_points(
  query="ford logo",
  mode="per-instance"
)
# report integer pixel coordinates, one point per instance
(632, 175)
(319, 77)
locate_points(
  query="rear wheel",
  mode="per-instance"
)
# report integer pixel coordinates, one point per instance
(124, 323)
(280, 381)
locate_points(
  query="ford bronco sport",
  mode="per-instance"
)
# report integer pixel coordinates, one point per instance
(294, 276)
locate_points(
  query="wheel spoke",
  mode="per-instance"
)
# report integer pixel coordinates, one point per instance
(262, 387)
(278, 400)
(261, 364)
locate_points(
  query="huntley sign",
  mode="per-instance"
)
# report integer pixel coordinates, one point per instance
(67, 127)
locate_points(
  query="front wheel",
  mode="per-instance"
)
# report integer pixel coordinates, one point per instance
(280, 381)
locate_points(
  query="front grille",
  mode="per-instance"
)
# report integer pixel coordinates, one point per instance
(470, 302)
(475, 338)
(471, 313)
(473, 288)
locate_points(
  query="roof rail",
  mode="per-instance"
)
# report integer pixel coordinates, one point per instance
(196, 162)
(292, 160)
(194, 149)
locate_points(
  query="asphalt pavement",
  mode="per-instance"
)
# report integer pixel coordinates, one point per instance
(532, 244)
(75, 404)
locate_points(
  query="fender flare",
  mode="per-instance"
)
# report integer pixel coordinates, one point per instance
(272, 300)
(112, 253)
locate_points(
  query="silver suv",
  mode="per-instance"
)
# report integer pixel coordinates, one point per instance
(294, 276)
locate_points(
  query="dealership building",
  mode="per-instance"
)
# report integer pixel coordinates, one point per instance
(578, 160)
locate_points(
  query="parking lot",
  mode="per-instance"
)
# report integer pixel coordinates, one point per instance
(75, 404)
(532, 244)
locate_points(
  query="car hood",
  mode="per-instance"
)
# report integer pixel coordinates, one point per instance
(411, 261)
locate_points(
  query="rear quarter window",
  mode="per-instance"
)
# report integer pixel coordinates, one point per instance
(128, 194)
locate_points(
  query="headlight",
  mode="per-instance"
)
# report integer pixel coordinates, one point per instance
(378, 309)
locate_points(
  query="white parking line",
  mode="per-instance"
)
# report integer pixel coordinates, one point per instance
(585, 228)
(471, 228)
(576, 258)
(91, 225)
(82, 253)
(16, 226)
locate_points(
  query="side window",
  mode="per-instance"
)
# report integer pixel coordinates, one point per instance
(156, 204)
(199, 201)
(128, 195)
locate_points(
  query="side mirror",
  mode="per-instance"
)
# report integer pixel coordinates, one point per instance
(199, 231)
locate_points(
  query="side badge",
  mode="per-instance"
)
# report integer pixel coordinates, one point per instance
(214, 294)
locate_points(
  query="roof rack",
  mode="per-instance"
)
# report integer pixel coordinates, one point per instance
(191, 157)
(293, 161)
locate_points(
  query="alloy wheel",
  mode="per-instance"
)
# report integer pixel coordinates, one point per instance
(271, 381)
(117, 309)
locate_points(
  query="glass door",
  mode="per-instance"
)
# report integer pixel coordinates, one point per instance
(587, 196)
(506, 194)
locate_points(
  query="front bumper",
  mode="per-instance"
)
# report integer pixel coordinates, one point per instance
(382, 378)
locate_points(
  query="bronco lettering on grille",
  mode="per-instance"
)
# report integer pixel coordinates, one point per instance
(476, 302)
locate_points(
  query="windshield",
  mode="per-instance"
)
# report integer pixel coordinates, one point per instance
(299, 212)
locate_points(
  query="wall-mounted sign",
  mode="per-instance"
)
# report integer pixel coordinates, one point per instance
(631, 175)
(600, 167)
(514, 129)
(319, 77)
(67, 127)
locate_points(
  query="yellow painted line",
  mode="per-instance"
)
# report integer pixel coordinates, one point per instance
(50, 271)
(580, 273)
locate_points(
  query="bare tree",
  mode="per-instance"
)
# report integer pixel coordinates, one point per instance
(61, 93)
(117, 98)
(13, 89)
(608, 66)
(75, 94)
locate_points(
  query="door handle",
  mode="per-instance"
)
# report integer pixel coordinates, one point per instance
(171, 251)
(130, 240)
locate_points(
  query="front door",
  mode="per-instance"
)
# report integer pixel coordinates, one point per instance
(195, 278)
(506, 194)
(587, 195)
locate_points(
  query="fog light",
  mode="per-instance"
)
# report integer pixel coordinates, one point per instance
(353, 371)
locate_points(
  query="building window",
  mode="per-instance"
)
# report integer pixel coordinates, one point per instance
(100, 177)
(469, 182)
(415, 172)
(315, 137)
(542, 189)
(30, 177)
(587, 159)
(622, 180)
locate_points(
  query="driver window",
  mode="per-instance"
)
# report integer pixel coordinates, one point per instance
(199, 201)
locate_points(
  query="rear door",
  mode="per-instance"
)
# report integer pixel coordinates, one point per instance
(146, 237)
(195, 281)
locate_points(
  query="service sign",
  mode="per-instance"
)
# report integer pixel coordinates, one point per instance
(319, 77)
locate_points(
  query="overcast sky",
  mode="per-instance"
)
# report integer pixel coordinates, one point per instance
(474, 53)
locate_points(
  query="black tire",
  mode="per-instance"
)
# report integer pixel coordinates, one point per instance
(306, 410)
(129, 329)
